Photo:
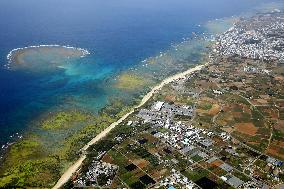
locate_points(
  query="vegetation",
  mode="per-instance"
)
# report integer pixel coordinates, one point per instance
(30, 163)
(131, 82)
(196, 174)
(204, 105)
(63, 120)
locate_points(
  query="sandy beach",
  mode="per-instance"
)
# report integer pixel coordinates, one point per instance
(71, 170)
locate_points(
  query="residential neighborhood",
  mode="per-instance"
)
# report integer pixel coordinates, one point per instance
(259, 37)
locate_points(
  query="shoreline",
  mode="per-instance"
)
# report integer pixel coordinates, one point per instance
(74, 167)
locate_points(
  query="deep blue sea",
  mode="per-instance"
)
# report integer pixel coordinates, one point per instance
(119, 34)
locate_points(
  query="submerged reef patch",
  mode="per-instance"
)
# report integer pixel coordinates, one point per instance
(128, 81)
(43, 57)
(64, 120)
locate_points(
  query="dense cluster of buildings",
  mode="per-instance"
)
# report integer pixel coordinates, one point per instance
(99, 173)
(182, 137)
(260, 37)
(163, 113)
(176, 178)
(252, 69)
(191, 142)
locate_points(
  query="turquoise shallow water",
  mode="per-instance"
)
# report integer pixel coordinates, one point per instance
(118, 34)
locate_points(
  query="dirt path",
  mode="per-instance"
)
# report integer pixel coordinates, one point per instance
(71, 170)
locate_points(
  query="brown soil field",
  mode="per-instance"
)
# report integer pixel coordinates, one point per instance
(238, 106)
(201, 112)
(208, 99)
(274, 151)
(152, 150)
(218, 171)
(237, 114)
(275, 114)
(216, 163)
(141, 163)
(262, 101)
(281, 144)
(247, 109)
(259, 102)
(156, 175)
(227, 129)
(238, 84)
(107, 158)
(150, 138)
(234, 141)
(279, 78)
(246, 128)
(266, 97)
(226, 108)
(214, 110)
(272, 112)
(219, 141)
(280, 103)
(280, 125)
(204, 84)
(170, 98)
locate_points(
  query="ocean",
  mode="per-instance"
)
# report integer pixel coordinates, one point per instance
(119, 34)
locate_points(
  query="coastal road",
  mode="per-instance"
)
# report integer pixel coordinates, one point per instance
(71, 170)
(68, 174)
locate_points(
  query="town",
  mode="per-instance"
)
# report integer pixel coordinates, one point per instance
(260, 37)
(220, 127)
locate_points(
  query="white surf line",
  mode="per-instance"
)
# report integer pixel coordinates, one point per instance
(85, 52)
(71, 170)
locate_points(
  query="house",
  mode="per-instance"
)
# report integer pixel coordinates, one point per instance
(157, 106)
(234, 181)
